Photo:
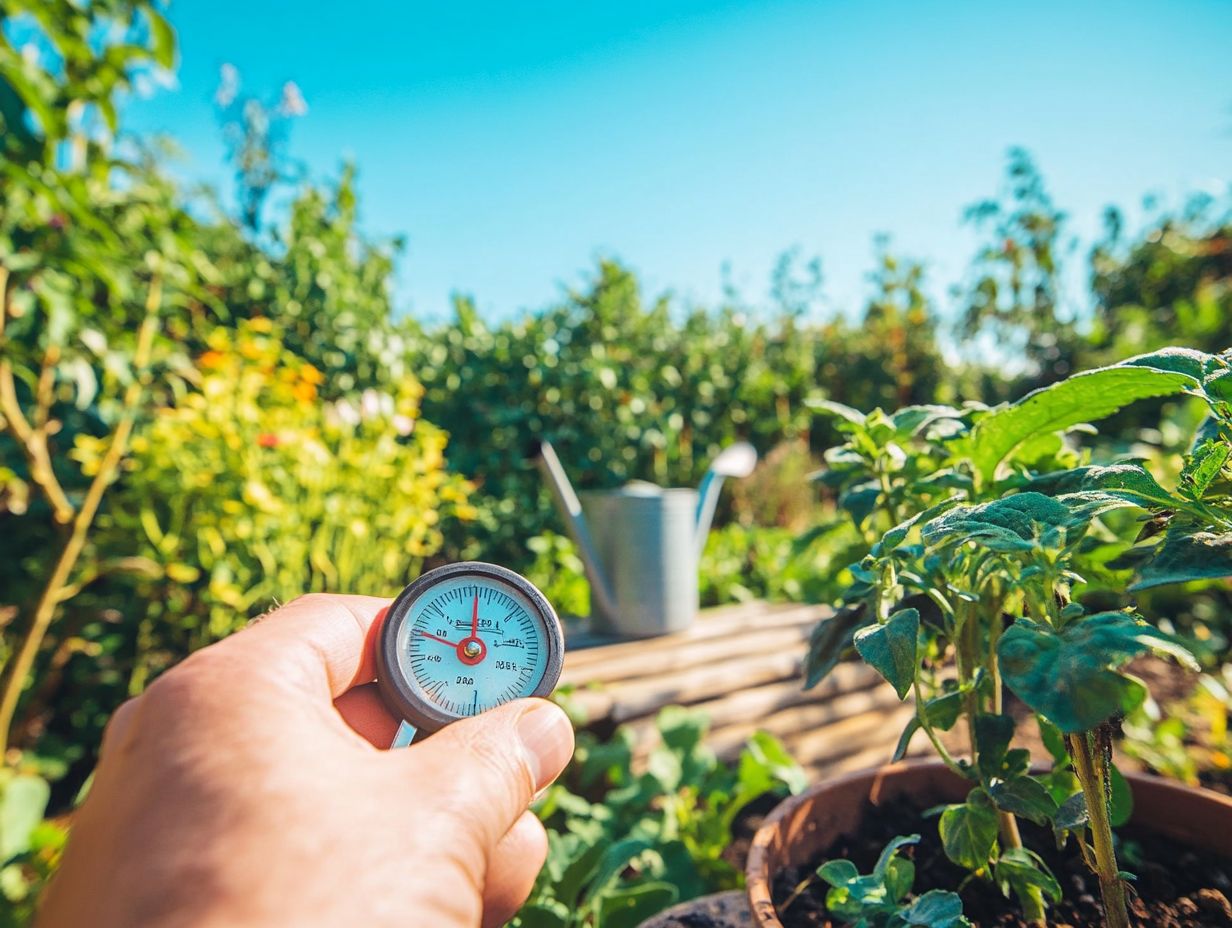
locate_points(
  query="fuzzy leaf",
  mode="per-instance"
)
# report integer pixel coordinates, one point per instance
(1070, 676)
(830, 640)
(969, 830)
(1131, 482)
(937, 908)
(1182, 557)
(993, 734)
(1202, 466)
(891, 649)
(1019, 870)
(1026, 797)
(1071, 814)
(1014, 523)
(1085, 397)
(628, 908)
(888, 852)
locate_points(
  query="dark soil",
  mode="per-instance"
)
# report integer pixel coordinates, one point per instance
(1219, 781)
(745, 826)
(1177, 886)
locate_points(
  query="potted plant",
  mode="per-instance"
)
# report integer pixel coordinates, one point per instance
(999, 536)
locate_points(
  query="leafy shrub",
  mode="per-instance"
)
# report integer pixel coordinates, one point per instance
(624, 845)
(251, 491)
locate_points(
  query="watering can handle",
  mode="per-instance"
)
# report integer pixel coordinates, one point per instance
(575, 522)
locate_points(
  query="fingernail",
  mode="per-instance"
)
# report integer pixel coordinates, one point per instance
(547, 736)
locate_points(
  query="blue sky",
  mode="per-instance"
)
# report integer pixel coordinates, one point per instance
(512, 143)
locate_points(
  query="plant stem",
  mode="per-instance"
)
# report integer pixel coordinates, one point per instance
(942, 753)
(1111, 887)
(57, 584)
(1007, 825)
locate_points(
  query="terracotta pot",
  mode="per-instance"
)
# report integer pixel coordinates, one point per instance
(801, 827)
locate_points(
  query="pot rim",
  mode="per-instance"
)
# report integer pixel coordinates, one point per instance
(758, 882)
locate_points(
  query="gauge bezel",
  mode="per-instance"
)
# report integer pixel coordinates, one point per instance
(396, 690)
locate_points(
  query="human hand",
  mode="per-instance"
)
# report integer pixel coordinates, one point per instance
(245, 788)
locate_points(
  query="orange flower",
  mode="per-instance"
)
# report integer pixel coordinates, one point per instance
(211, 359)
(267, 440)
(304, 392)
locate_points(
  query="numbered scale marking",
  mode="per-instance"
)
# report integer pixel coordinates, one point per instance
(463, 639)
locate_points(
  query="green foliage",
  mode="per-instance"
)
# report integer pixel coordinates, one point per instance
(1033, 525)
(878, 899)
(1070, 675)
(627, 839)
(891, 649)
(251, 491)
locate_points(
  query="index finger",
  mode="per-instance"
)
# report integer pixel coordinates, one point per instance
(321, 640)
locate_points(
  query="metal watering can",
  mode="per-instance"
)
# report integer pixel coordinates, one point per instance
(640, 544)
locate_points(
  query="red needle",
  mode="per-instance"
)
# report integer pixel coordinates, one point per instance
(475, 618)
(438, 638)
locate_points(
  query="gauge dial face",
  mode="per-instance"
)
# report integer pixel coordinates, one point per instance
(471, 642)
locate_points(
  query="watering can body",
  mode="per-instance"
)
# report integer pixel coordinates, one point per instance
(644, 541)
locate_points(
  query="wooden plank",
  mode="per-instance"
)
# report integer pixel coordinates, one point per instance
(757, 707)
(728, 740)
(880, 728)
(663, 661)
(710, 624)
(620, 702)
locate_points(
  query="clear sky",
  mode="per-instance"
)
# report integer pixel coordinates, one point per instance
(512, 143)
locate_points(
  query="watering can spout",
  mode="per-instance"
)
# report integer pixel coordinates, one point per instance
(571, 510)
(737, 461)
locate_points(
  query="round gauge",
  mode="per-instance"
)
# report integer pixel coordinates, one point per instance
(463, 639)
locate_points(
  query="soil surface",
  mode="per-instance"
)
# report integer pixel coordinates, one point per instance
(1177, 886)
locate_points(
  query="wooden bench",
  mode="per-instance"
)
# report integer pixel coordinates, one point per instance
(742, 666)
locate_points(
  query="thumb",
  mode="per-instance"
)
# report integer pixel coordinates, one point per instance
(488, 768)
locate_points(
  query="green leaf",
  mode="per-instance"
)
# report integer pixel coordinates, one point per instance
(891, 649)
(628, 908)
(613, 862)
(898, 534)
(838, 410)
(943, 711)
(904, 740)
(1026, 797)
(937, 908)
(860, 501)
(1070, 676)
(578, 873)
(765, 764)
(888, 852)
(830, 641)
(1130, 482)
(1071, 814)
(1054, 740)
(1183, 557)
(1120, 800)
(1013, 523)
(162, 38)
(23, 800)
(969, 830)
(1085, 397)
(1194, 365)
(1020, 870)
(838, 872)
(898, 877)
(541, 915)
(993, 734)
(1202, 466)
